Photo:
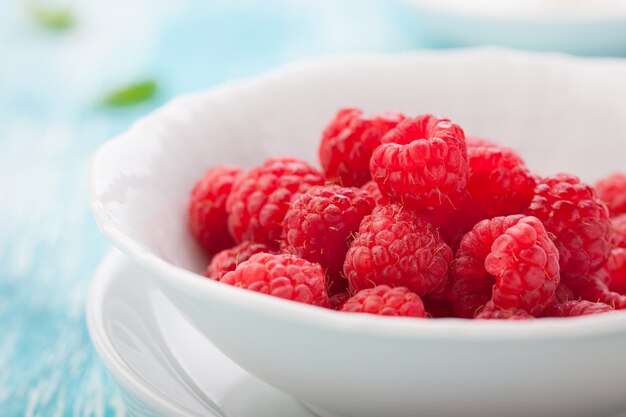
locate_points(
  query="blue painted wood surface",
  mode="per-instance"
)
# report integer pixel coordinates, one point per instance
(51, 123)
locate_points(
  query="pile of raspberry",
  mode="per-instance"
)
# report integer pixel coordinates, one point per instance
(408, 216)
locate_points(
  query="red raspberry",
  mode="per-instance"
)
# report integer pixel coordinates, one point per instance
(422, 163)
(259, 200)
(515, 252)
(612, 190)
(386, 301)
(498, 184)
(372, 189)
(284, 276)
(321, 223)
(570, 210)
(207, 208)
(616, 268)
(573, 308)
(619, 230)
(470, 285)
(348, 142)
(595, 288)
(228, 259)
(490, 312)
(397, 248)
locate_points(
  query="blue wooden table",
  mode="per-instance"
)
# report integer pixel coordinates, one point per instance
(51, 84)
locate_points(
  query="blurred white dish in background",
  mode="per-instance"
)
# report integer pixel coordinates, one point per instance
(587, 27)
(534, 9)
(562, 114)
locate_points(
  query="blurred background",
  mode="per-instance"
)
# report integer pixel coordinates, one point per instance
(73, 74)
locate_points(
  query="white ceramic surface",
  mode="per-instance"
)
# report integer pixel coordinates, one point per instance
(586, 27)
(360, 365)
(163, 366)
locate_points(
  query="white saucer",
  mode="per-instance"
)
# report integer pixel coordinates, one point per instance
(162, 365)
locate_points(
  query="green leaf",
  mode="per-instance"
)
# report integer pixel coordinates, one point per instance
(131, 94)
(59, 19)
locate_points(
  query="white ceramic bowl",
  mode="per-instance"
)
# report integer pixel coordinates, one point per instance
(561, 113)
(576, 26)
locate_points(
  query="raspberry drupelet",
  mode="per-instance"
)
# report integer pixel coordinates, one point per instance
(260, 199)
(490, 312)
(207, 217)
(570, 210)
(612, 190)
(320, 225)
(285, 276)
(348, 142)
(422, 163)
(509, 261)
(397, 247)
(385, 301)
(228, 259)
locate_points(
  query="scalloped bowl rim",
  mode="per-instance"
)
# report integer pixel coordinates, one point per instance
(393, 327)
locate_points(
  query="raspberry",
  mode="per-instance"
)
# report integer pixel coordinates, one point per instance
(422, 163)
(616, 268)
(284, 276)
(595, 288)
(385, 301)
(498, 184)
(259, 200)
(320, 224)
(574, 308)
(570, 210)
(612, 190)
(348, 142)
(228, 259)
(372, 189)
(397, 248)
(515, 252)
(207, 208)
(619, 230)
(490, 312)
